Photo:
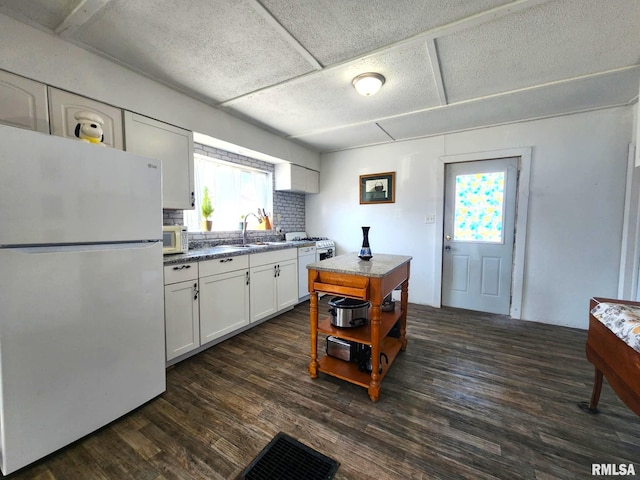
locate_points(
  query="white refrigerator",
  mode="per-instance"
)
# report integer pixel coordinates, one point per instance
(81, 290)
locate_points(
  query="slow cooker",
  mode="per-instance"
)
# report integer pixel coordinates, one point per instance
(348, 312)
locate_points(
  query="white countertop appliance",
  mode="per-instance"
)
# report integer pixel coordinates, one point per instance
(81, 323)
(323, 248)
(175, 239)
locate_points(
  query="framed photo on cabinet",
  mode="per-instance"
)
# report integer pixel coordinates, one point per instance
(378, 188)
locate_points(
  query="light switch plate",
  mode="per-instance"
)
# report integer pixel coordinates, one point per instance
(430, 219)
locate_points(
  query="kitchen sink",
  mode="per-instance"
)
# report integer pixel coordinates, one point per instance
(248, 245)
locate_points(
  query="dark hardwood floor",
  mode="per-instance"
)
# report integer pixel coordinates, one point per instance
(475, 396)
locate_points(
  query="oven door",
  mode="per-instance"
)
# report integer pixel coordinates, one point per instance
(324, 253)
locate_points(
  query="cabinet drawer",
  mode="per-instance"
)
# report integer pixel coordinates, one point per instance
(223, 265)
(180, 273)
(265, 258)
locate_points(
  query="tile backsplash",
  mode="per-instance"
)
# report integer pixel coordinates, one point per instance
(290, 206)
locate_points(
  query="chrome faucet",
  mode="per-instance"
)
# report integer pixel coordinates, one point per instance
(244, 227)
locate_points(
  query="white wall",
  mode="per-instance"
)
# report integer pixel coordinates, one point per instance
(37, 55)
(575, 208)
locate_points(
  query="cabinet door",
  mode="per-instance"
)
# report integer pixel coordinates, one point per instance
(224, 304)
(263, 291)
(172, 145)
(23, 103)
(181, 317)
(287, 284)
(290, 177)
(64, 105)
(312, 183)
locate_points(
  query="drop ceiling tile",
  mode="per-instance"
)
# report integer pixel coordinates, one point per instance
(336, 30)
(48, 13)
(344, 138)
(217, 49)
(600, 91)
(327, 98)
(539, 45)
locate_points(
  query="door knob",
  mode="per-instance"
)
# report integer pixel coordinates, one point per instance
(448, 237)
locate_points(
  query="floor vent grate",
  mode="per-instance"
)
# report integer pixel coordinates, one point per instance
(285, 458)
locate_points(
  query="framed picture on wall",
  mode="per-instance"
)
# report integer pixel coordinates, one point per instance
(378, 188)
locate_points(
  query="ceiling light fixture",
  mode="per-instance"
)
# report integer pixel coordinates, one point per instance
(368, 83)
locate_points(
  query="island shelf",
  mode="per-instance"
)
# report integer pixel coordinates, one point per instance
(348, 276)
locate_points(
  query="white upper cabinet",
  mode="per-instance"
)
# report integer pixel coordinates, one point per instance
(294, 178)
(23, 103)
(64, 105)
(638, 135)
(312, 181)
(172, 145)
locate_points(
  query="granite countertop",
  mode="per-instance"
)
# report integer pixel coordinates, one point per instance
(379, 266)
(222, 251)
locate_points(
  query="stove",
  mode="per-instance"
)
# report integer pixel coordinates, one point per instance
(325, 247)
(321, 242)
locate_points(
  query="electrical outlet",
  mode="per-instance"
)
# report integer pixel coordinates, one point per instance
(279, 217)
(430, 219)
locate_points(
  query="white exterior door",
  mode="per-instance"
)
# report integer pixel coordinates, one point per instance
(479, 227)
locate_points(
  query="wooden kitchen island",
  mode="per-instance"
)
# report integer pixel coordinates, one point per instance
(349, 276)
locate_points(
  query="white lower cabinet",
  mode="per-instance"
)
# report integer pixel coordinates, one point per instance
(274, 282)
(224, 296)
(263, 291)
(207, 300)
(287, 284)
(181, 309)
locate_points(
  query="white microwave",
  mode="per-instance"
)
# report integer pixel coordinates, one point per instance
(174, 239)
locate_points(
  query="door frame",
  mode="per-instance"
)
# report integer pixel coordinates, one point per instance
(522, 208)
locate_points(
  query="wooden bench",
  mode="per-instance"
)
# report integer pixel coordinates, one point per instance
(612, 356)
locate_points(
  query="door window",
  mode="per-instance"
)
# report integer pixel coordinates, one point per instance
(479, 207)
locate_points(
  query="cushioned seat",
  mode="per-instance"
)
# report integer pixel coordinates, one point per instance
(621, 319)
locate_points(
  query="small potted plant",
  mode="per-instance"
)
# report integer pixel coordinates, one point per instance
(207, 209)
